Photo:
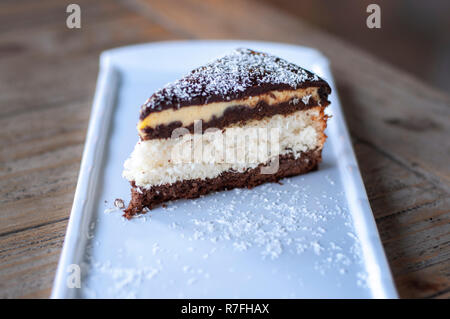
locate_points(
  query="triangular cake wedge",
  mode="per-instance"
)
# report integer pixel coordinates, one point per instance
(244, 119)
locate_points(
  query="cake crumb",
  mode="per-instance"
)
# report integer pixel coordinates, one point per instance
(119, 203)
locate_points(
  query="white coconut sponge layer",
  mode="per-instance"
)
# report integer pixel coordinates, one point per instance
(236, 148)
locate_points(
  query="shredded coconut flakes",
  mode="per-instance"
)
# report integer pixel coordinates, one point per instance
(230, 76)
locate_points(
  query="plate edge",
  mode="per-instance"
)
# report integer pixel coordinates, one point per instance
(106, 88)
(109, 74)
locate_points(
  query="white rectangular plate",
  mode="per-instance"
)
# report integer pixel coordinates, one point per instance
(314, 236)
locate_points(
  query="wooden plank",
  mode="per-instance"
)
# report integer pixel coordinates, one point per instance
(412, 217)
(29, 260)
(25, 15)
(426, 283)
(48, 79)
(43, 154)
(44, 108)
(49, 75)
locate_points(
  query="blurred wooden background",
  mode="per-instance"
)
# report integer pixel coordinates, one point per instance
(399, 123)
(414, 34)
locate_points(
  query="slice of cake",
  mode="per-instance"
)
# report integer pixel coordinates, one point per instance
(242, 120)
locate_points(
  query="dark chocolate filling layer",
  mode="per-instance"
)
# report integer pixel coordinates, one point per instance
(233, 115)
(288, 166)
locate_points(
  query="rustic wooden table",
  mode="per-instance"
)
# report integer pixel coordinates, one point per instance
(400, 127)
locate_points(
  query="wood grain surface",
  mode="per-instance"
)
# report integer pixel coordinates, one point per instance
(400, 127)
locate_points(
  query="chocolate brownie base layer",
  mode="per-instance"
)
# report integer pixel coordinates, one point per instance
(236, 114)
(288, 166)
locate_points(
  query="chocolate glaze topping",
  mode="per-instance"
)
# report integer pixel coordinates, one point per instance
(242, 73)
